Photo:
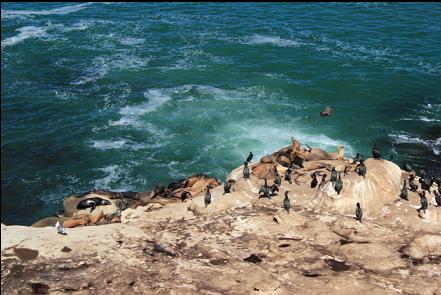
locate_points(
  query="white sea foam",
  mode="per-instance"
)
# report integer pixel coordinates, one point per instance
(60, 10)
(113, 174)
(131, 41)
(122, 144)
(274, 40)
(25, 33)
(99, 69)
(434, 144)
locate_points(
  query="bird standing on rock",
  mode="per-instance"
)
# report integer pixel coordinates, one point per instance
(227, 187)
(338, 184)
(362, 169)
(423, 200)
(314, 180)
(277, 179)
(333, 175)
(60, 228)
(358, 212)
(250, 156)
(207, 197)
(286, 202)
(404, 194)
(288, 175)
(185, 195)
(407, 167)
(413, 186)
(437, 198)
(376, 152)
(322, 182)
(246, 170)
(264, 190)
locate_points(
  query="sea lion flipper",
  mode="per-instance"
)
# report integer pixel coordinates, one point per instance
(92, 208)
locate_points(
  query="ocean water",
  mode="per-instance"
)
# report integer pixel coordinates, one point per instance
(122, 96)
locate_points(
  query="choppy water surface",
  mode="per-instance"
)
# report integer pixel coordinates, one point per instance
(122, 96)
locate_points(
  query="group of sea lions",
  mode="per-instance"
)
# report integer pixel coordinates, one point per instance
(99, 207)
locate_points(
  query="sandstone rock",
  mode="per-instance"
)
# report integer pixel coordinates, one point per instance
(424, 246)
(374, 257)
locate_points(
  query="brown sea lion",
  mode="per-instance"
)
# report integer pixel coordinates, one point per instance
(326, 112)
(266, 159)
(76, 222)
(295, 144)
(49, 221)
(340, 152)
(318, 154)
(313, 166)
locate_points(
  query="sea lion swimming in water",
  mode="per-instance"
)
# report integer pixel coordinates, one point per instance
(326, 112)
(92, 203)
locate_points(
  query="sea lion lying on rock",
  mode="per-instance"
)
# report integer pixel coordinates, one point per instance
(318, 154)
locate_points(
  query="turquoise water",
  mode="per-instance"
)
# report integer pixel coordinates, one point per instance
(122, 96)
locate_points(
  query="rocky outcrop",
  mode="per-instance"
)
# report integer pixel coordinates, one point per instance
(240, 243)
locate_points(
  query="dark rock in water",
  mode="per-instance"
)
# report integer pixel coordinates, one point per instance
(253, 258)
(337, 265)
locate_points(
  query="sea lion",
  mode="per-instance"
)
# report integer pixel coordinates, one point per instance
(181, 183)
(49, 221)
(326, 112)
(266, 159)
(317, 154)
(295, 144)
(358, 213)
(286, 202)
(76, 222)
(192, 179)
(158, 190)
(92, 203)
(340, 152)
